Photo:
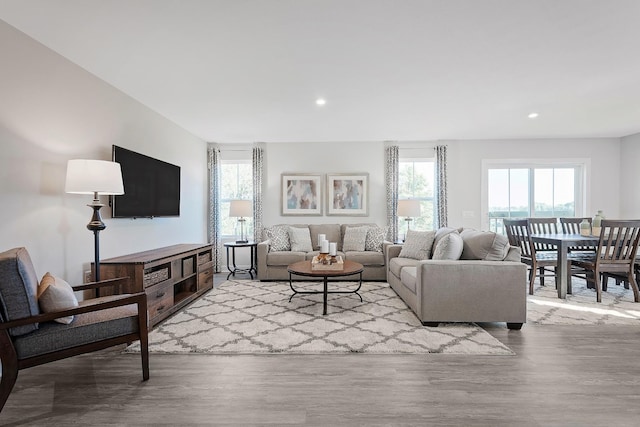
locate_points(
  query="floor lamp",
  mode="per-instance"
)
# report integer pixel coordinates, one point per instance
(97, 177)
(241, 209)
(408, 208)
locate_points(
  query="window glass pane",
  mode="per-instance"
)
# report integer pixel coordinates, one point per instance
(236, 183)
(564, 203)
(416, 181)
(519, 193)
(543, 194)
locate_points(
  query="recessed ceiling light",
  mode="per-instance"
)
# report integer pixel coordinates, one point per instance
(320, 101)
(533, 115)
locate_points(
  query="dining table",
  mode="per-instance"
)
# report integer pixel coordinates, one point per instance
(563, 242)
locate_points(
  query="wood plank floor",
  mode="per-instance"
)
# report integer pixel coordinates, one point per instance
(561, 376)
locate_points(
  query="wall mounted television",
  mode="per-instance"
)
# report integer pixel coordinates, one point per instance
(151, 186)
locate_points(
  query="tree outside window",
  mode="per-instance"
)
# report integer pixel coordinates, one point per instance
(236, 183)
(416, 181)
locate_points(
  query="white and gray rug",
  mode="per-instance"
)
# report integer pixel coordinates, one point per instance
(580, 308)
(257, 317)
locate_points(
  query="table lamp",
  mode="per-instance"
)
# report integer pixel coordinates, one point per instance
(97, 177)
(241, 209)
(409, 208)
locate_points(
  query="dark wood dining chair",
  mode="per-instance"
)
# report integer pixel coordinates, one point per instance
(29, 337)
(519, 235)
(615, 256)
(571, 225)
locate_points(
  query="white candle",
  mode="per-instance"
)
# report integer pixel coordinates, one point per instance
(324, 247)
(332, 248)
(321, 238)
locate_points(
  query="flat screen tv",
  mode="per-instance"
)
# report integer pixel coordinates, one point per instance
(151, 186)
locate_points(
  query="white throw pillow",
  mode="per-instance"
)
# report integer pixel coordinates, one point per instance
(417, 244)
(300, 239)
(449, 247)
(355, 238)
(54, 294)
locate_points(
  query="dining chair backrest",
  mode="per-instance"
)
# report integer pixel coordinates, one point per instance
(519, 235)
(572, 225)
(543, 226)
(618, 244)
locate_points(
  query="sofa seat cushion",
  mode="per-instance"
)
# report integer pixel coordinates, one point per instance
(408, 278)
(397, 264)
(284, 257)
(84, 329)
(484, 245)
(365, 257)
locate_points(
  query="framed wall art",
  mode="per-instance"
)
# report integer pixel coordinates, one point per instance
(348, 194)
(301, 194)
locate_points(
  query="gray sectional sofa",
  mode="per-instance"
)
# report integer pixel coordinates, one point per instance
(281, 248)
(470, 276)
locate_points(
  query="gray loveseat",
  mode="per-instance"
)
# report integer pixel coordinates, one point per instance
(277, 250)
(482, 281)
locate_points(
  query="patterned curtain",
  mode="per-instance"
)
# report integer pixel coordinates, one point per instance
(392, 165)
(214, 225)
(258, 171)
(441, 186)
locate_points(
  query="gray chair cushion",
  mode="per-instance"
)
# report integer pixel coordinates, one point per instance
(18, 289)
(86, 328)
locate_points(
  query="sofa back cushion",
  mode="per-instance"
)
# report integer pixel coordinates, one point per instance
(417, 244)
(331, 231)
(484, 245)
(18, 289)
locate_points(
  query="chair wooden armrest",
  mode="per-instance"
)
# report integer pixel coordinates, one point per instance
(139, 298)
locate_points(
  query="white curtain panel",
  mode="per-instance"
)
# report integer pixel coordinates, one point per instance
(258, 173)
(392, 164)
(441, 186)
(214, 224)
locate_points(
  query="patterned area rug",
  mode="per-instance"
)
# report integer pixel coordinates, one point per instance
(580, 308)
(257, 317)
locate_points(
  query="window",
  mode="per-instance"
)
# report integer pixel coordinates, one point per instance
(416, 181)
(533, 191)
(236, 183)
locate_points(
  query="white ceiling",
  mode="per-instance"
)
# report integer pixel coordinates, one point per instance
(251, 70)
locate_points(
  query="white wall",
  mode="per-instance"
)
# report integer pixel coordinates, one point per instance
(324, 158)
(51, 111)
(465, 171)
(629, 165)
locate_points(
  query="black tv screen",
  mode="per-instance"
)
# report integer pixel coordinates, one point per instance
(151, 186)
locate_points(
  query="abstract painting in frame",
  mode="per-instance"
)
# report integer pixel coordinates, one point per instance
(301, 194)
(348, 194)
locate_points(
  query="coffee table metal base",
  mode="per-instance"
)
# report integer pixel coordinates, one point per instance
(325, 291)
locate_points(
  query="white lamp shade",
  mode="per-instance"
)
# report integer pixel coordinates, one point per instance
(240, 208)
(93, 176)
(409, 208)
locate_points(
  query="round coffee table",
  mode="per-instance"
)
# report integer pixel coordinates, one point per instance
(303, 268)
